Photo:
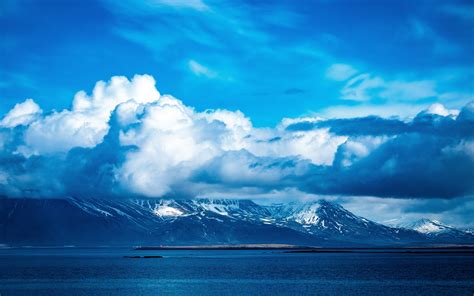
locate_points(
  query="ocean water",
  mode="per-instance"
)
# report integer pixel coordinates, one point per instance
(104, 271)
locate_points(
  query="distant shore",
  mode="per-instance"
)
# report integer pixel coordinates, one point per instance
(390, 250)
(224, 247)
(307, 249)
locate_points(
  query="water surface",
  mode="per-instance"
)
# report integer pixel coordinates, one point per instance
(104, 271)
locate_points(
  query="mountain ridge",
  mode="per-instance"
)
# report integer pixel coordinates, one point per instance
(438, 230)
(74, 221)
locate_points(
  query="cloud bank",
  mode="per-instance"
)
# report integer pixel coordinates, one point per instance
(126, 139)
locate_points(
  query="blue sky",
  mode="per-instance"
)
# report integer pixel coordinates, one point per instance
(370, 103)
(269, 59)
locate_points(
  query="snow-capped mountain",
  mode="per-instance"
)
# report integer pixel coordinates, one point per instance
(332, 222)
(428, 226)
(72, 221)
(439, 231)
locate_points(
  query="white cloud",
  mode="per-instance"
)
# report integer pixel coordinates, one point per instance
(393, 211)
(171, 140)
(400, 110)
(149, 7)
(340, 72)
(86, 123)
(439, 109)
(21, 114)
(165, 146)
(192, 4)
(318, 145)
(408, 90)
(201, 70)
(361, 87)
(365, 87)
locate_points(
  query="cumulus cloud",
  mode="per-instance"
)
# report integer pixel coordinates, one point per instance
(21, 114)
(439, 109)
(86, 123)
(126, 139)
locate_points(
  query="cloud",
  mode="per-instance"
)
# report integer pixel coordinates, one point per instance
(421, 31)
(148, 7)
(126, 139)
(380, 157)
(201, 70)
(400, 110)
(362, 87)
(465, 12)
(409, 90)
(392, 211)
(193, 4)
(21, 114)
(439, 109)
(86, 123)
(340, 72)
(365, 87)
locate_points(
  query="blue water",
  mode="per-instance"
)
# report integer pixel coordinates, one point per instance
(105, 272)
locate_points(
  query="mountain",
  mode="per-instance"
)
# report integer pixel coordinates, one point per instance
(138, 222)
(439, 231)
(332, 222)
(92, 222)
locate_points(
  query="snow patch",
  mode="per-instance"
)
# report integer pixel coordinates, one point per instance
(167, 211)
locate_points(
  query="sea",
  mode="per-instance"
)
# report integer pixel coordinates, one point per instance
(105, 271)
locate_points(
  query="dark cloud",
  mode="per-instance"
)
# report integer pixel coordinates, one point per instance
(431, 156)
(411, 165)
(462, 126)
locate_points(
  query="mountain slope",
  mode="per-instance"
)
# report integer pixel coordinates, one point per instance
(124, 222)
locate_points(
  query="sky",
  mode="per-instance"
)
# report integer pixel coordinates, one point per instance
(367, 103)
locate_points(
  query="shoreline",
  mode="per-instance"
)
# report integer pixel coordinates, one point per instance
(313, 249)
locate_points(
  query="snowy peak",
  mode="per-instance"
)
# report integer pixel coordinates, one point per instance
(436, 228)
(306, 214)
(321, 216)
(318, 212)
(331, 221)
(428, 226)
(439, 231)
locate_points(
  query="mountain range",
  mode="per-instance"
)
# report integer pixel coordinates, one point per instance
(95, 222)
